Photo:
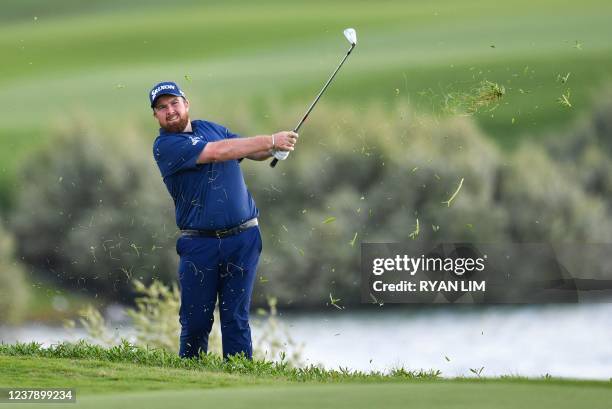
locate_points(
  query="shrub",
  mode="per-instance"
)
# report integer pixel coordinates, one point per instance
(543, 206)
(156, 325)
(584, 152)
(358, 175)
(92, 213)
(13, 287)
(374, 173)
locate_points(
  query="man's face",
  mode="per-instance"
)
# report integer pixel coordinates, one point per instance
(172, 113)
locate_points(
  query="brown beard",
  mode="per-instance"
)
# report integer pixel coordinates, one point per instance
(179, 126)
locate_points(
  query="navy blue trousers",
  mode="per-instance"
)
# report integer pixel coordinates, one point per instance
(211, 268)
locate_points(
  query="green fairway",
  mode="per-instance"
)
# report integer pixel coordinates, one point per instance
(389, 396)
(439, 395)
(93, 376)
(99, 59)
(100, 384)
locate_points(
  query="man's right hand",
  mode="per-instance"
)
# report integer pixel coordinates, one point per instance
(280, 155)
(284, 141)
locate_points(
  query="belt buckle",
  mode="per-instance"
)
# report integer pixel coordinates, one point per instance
(220, 233)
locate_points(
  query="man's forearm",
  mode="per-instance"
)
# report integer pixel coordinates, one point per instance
(263, 155)
(229, 149)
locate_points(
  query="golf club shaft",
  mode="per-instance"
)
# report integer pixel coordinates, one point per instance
(297, 128)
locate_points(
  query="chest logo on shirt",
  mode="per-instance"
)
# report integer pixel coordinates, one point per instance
(195, 139)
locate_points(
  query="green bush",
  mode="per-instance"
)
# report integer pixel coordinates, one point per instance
(584, 152)
(13, 287)
(545, 205)
(93, 214)
(358, 175)
(375, 173)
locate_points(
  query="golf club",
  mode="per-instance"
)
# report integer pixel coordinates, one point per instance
(351, 36)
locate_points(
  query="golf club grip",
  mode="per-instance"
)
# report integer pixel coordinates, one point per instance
(275, 161)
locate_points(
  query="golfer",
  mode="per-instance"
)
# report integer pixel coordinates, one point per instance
(220, 241)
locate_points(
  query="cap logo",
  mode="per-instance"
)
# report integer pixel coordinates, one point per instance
(161, 88)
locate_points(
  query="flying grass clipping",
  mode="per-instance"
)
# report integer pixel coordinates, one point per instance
(484, 97)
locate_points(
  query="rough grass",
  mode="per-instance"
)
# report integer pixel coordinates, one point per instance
(127, 353)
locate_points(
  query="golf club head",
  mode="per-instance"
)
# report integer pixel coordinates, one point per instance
(351, 36)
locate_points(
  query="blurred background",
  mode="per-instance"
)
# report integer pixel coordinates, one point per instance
(84, 212)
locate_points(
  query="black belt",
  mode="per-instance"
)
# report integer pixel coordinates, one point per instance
(223, 232)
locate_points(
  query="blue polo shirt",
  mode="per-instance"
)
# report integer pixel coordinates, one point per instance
(206, 196)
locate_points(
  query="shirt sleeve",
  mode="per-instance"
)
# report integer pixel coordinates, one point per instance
(177, 153)
(229, 134)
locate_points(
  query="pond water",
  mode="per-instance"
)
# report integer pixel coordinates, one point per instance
(571, 341)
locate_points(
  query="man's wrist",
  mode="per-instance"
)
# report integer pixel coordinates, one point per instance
(273, 143)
